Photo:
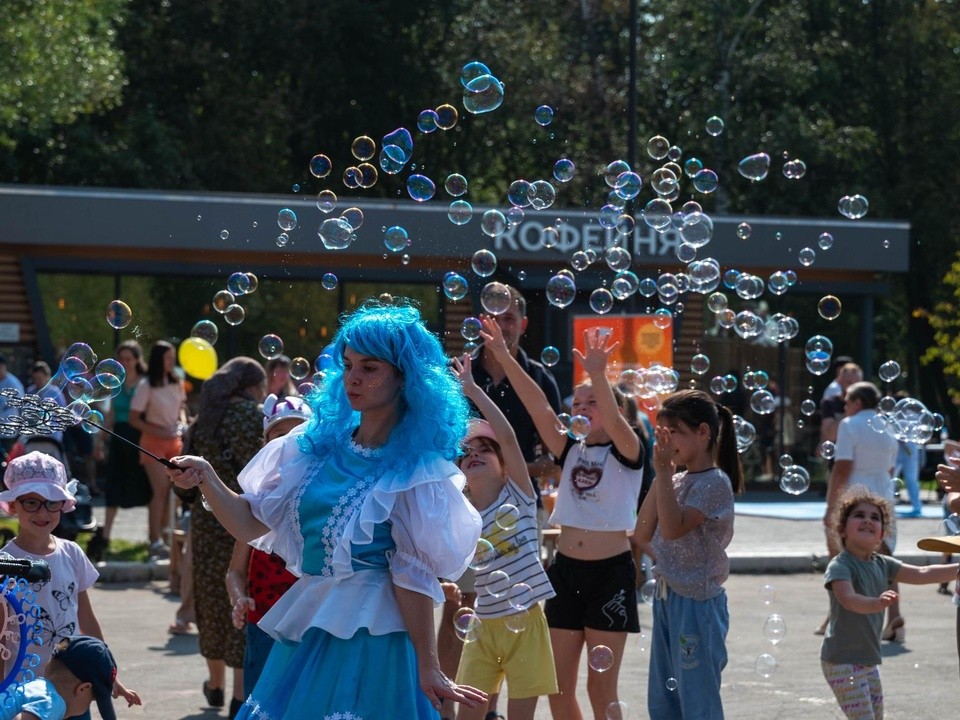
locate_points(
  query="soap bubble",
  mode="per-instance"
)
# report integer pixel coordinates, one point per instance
(287, 219)
(517, 622)
(699, 364)
(329, 281)
(520, 596)
(455, 185)
(853, 207)
(657, 147)
(455, 287)
(795, 480)
(119, 314)
(648, 591)
(447, 116)
(493, 223)
(827, 450)
(270, 346)
(495, 298)
(483, 94)
(563, 170)
(460, 212)
(600, 658)
(755, 167)
(617, 710)
(794, 169)
(601, 301)
(543, 115)
(420, 187)
(561, 290)
(234, 314)
(484, 263)
(470, 328)
(825, 241)
(326, 201)
(205, 330)
(829, 307)
(774, 629)
(550, 356)
(671, 684)
(714, 126)
(889, 371)
(396, 238)
(320, 166)
(765, 665)
(497, 583)
(744, 230)
(806, 256)
(299, 369)
(767, 594)
(507, 516)
(363, 148)
(579, 427)
(335, 233)
(483, 555)
(427, 121)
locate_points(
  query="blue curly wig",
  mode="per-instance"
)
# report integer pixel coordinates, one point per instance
(434, 411)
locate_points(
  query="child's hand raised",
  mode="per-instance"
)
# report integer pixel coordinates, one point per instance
(493, 337)
(463, 368)
(595, 341)
(663, 452)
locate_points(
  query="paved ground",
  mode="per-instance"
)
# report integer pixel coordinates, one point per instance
(920, 678)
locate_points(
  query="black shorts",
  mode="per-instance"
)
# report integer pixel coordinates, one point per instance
(595, 594)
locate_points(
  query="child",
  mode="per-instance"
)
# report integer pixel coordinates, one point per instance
(688, 518)
(593, 573)
(256, 580)
(498, 482)
(38, 492)
(81, 671)
(858, 582)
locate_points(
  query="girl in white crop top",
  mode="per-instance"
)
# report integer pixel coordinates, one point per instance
(600, 477)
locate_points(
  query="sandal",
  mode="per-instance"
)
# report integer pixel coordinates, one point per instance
(181, 626)
(494, 715)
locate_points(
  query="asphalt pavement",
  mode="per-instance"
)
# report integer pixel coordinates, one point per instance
(919, 677)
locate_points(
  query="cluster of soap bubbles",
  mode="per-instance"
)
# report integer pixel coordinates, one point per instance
(65, 400)
(774, 631)
(907, 419)
(225, 301)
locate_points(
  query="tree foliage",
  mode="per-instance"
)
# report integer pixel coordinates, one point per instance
(60, 60)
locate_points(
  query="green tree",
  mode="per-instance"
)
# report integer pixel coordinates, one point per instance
(60, 61)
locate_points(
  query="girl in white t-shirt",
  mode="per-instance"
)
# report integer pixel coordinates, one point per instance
(513, 641)
(593, 574)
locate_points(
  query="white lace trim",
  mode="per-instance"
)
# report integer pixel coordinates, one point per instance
(342, 716)
(293, 507)
(255, 710)
(364, 451)
(340, 515)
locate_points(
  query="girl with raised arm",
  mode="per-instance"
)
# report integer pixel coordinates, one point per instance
(593, 574)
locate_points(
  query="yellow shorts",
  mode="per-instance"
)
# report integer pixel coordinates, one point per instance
(525, 659)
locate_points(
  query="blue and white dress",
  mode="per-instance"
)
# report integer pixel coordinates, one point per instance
(352, 526)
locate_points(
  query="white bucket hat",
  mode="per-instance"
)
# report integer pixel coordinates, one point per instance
(39, 473)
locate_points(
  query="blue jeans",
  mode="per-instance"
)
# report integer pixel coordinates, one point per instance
(255, 654)
(908, 462)
(688, 651)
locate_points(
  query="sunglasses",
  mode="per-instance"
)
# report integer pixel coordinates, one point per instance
(32, 505)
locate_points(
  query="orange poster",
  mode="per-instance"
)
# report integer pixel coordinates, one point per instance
(641, 342)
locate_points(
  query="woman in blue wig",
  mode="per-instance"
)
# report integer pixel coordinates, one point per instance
(365, 505)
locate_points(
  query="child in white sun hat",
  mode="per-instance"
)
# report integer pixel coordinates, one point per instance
(38, 492)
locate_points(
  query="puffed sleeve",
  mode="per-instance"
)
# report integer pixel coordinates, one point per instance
(436, 531)
(270, 483)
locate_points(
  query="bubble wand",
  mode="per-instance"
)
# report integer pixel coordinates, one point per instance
(161, 460)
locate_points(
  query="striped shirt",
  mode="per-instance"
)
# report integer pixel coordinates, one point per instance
(514, 539)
